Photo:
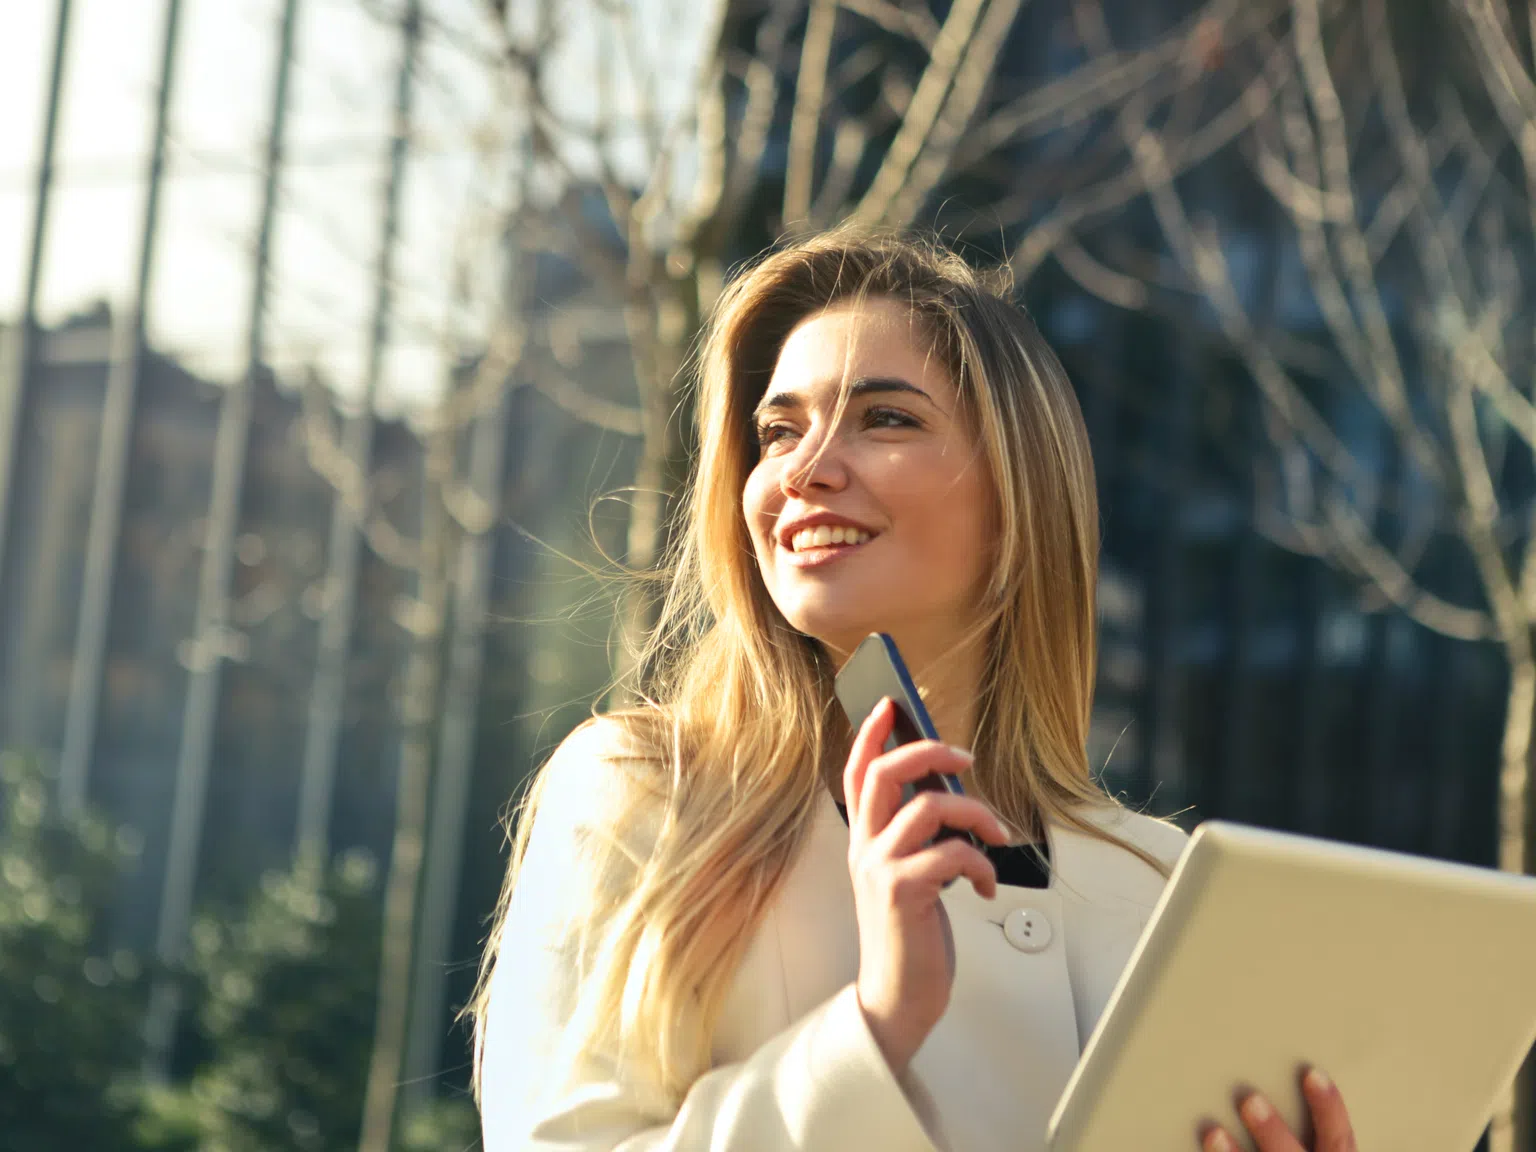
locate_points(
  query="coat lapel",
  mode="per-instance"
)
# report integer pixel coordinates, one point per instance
(806, 950)
(1107, 898)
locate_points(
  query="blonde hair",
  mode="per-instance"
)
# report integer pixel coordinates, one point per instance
(739, 731)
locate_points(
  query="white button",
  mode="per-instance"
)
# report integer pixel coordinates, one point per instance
(1027, 930)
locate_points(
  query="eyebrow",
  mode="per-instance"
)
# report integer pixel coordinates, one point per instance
(863, 386)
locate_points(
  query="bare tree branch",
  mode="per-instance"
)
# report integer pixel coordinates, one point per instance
(493, 374)
(1481, 516)
(1509, 84)
(936, 154)
(1386, 379)
(849, 144)
(645, 109)
(810, 95)
(589, 409)
(322, 447)
(1109, 77)
(1431, 219)
(762, 84)
(1344, 537)
(912, 21)
(1385, 571)
(1102, 281)
(1204, 258)
(944, 63)
(1219, 131)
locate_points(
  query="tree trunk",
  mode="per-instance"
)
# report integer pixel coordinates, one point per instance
(1513, 1128)
(643, 547)
(418, 705)
(665, 452)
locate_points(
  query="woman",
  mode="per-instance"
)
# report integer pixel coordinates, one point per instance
(721, 929)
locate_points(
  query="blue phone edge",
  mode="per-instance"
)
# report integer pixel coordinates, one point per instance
(914, 701)
(915, 704)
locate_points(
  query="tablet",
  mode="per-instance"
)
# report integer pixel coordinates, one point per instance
(1411, 982)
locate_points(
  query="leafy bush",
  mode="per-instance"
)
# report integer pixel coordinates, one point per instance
(284, 1023)
(280, 996)
(70, 1011)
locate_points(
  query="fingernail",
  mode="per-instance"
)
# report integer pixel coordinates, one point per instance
(1218, 1141)
(1256, 1109)
(1317, 1080)
(969, 759)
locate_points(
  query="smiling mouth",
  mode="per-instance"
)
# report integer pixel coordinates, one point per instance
(828, 536)
(815, 548)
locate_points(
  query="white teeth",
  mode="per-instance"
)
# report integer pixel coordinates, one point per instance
(824, 535)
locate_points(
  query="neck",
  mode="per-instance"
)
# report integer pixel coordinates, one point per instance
(950, 682)
(947, 675)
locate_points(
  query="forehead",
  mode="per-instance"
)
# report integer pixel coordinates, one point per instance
(850, 339)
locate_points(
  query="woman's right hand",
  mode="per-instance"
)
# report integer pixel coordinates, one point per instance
(906, 950)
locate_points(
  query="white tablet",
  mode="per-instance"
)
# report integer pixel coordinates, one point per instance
(1411, 982)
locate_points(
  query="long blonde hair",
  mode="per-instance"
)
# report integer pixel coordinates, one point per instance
(739, 729)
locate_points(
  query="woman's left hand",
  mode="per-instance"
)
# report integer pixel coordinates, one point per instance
(1330, 1120)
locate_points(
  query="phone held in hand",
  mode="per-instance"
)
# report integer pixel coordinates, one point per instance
(874, 671)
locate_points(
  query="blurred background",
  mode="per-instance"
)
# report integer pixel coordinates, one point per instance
(343, 349)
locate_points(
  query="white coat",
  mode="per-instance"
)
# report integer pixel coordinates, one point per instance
(794, 1066)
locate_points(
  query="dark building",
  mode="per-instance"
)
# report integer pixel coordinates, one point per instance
(277, 594)
(546, 633)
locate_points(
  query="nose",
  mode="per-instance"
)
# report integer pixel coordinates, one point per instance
(814, 465)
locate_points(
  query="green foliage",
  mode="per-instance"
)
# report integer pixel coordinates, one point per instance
(284, 1019)
(286, 996)
(69, 1013)
(280, 996)
(441, 1126)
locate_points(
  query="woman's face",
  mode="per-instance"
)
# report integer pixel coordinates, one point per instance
(890, 529)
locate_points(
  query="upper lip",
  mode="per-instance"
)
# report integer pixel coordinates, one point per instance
(815, 520)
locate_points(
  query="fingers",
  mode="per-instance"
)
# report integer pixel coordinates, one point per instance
(881, 786)
(1215, 1139)
(917, 879)
(1269, 1132)
(919, 821)
(905, 840)
(1330, 1119)
(867, 742)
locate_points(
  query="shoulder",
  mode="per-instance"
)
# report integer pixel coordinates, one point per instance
(1102, 862)
(595, 809)
(1161, 839)
(599, 770)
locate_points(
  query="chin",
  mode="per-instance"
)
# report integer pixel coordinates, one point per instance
(840, 621)
(839, 636)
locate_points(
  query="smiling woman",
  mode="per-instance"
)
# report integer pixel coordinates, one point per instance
(879, 444)
(722, 928)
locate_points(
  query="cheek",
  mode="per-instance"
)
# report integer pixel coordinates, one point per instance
(956, 513)
(755, 507)
(979, 530)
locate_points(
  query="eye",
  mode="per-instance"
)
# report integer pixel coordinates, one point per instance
(889, 418)
(771, 433)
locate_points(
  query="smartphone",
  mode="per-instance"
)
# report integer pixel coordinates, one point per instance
(874, 671)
